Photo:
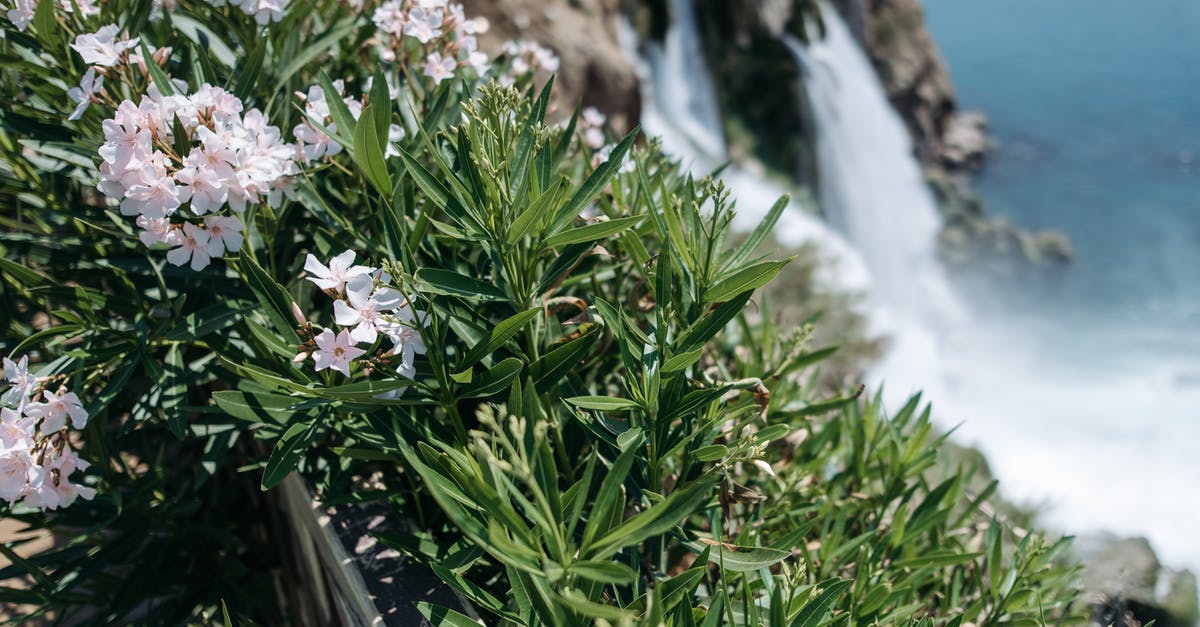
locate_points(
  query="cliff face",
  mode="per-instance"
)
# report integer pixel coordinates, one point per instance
(594, 69)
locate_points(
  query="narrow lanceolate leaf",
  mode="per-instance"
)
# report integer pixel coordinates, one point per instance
(156, 74)
(816, 610)
(554, 365)
(748, 278)
(439, 616)
(602, 571)
(760, 233)
(603, 403)
(276, 302)
(591, 232)
(288, 451)
(741, 559)
(368, 151)
(594, 183)
(705, 328)
(452, 283)
(657, 520)
(497, 379)
(173, 392)
(343, 120)
(496, 338)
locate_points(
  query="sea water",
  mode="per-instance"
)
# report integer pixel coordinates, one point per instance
(1083, 384)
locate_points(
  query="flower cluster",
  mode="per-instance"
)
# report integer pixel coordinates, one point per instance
(367, 309)
(232, 158)
(446, 38)
(21, 15)
(264, 11)
(36, 460)
(527, 58)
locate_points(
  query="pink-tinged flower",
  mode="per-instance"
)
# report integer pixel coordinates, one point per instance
(364, 307)
(82, 95)
(336, 351)
(406, 341)
(18, 473)
(101, 48)
(16, 431)
(339, 271)
(150, 191)
(20, 381)
(87, 8)
(193, 244)
(21, 15)
(52, 493)
(440, 68)
(155, 231)
(224, 234)
(55, 410)
(424, 24)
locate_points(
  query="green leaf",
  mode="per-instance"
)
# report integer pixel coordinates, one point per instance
(256, 407)
(496, 338)
(656, 520)
(368, 152)
(603, 571)
(250, 69)
(936, 559)
(362, 391)
(603, 403)
(173, 392)
(276, 302)
(748, 278)
(439, 616)
(710, 453)
(591, 232)
(498, 378)
(45, 23)
(213, 318)
(681, 361)
(741, 559)
(156, 74)
(594, 183)
(287, 453)
(554, 365)
(705, 328)
(816, 610)
(760, 232)
(451, 283)
(343, 120)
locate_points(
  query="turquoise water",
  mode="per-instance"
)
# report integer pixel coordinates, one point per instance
(1095, 117)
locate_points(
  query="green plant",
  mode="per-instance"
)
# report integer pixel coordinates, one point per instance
(545, 354)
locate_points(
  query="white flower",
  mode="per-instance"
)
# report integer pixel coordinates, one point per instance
(366, 303)
(101, 48)
(15, 430)
(395, 136)
(19, 380)
(155, 231)
(87, 8)
(21, 15)
(193, 244)
(150, 191)
(224, 234)
(336, 352)
(18, 473)
(55, 410)
(56, 490)
(339, 271)
(82, 95)
(424, 24)
(439, 68)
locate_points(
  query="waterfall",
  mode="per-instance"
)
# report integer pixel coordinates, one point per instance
(872, 190)
(679, 105)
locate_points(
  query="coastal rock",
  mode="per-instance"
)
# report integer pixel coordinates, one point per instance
(1125, 580)
(965, 141)
(594, 70)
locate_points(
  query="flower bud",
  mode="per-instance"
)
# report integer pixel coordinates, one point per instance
(298, 315)
(300, 357)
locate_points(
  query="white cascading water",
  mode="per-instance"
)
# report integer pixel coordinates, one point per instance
(872, 190)
(680, 106)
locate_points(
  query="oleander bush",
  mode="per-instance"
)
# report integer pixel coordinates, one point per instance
(334, 238)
